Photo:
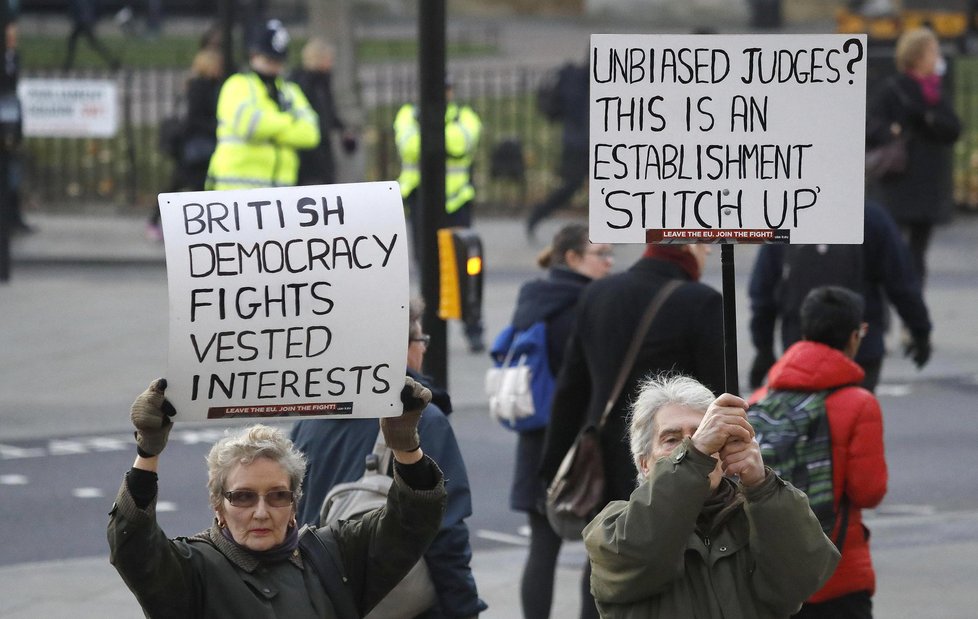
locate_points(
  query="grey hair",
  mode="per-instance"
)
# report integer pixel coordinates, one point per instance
(244, 446)
(654, 393)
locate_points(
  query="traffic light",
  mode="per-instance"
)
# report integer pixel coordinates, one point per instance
(460, 274)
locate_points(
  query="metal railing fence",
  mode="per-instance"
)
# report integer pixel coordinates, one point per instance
(124, 173)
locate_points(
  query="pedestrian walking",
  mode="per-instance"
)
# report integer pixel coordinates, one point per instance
(567, 102)
(822, 365)
(913, 105)
(881, 270)
(317, 166)
(84, 17)
(572, 262)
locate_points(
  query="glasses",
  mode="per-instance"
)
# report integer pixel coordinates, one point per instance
(249, 498)
(423, 338)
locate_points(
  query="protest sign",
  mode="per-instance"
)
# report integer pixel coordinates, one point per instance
(727, 138)
(289, 301)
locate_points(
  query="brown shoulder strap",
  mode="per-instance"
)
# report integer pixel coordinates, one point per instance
(637, 338)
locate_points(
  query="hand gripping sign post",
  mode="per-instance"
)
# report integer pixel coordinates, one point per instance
(727, 139)
(286, 301)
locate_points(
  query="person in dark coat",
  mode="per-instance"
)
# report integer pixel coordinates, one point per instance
(913, 104)
(198, 130)
(84, 16)
(317, 166)
(686, 337)
(255, 560)
(571, 262)
(571, 108)
(200, 137)
(887, 274)
(336, 451)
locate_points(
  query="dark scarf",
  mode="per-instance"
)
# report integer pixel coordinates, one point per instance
(718, 507)
(273, 555)
(676, 255)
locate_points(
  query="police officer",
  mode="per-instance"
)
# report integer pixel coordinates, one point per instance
(462, 130)
(262, 120)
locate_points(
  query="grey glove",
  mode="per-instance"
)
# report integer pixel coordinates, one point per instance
(401, 433)
(151, 416)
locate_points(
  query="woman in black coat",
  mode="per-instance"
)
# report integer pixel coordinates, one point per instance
(572, 262)
(686, 337)
(913, 104)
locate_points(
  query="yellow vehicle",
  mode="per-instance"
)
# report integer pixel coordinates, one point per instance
(952, 20)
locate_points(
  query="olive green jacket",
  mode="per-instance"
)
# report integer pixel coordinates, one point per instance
(206, 576)
(647, 561)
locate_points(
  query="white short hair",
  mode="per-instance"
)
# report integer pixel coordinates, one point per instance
(654, 393)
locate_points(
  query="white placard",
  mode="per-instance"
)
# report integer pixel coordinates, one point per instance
(727, 138)
(72, 108)
(287, 301)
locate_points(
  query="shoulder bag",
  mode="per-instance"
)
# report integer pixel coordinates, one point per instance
(577, 491)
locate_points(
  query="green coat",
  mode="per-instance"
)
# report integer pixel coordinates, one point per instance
(647, 561)
(206, 576)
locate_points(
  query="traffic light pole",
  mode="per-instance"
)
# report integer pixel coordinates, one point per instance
(431, 191)
(5, 215)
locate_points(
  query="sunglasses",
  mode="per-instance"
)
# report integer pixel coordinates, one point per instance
(249, 498)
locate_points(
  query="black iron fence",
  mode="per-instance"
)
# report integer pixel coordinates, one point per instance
(516, 163)
(128, 170)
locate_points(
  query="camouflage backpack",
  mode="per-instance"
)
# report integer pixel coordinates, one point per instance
(792, 429)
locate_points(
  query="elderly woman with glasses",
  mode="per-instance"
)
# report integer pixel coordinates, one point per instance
(254, 561)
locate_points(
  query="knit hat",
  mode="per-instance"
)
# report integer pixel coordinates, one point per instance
(271, 39)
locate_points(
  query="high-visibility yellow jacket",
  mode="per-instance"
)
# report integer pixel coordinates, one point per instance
(257, 138)
(462, 130)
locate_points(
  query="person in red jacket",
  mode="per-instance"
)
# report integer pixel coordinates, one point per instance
(832, 328)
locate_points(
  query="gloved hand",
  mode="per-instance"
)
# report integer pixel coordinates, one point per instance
(763, 361)
(401, 433)
(918, 349)
(151, 416)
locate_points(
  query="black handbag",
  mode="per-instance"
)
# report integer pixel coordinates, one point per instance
(577, 491)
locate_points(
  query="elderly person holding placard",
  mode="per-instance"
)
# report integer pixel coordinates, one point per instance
(253, 561)
(691, 541)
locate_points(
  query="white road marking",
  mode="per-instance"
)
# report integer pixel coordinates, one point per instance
(109, 443)
(895, 391)
(13, 480)
(9, 452)
(166, 506)
(506, 538)
(66, 447)
(87, 493)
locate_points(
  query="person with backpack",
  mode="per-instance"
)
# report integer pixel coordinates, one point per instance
(571, 262)
(336, 451)
(881, 270)
(255, 560)
(816, 382)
